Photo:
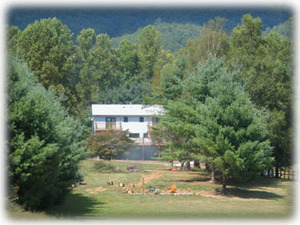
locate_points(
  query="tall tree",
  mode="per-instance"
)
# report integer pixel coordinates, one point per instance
(47, 47)
(97, 62)
(232, 133)
(212, 41)
(267, 70)
(128, 61)
(215, 121)
(85, 85)
(149, 46)
(45, 142)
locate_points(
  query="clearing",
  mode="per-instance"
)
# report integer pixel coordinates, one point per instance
(265, 198)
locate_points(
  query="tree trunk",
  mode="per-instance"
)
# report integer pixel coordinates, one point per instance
(223, 190)
(197, 163)
(213, 174)
(182, 166)
(277, 171)
(188, 166)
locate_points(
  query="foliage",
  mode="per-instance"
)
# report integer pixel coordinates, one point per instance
(149, 45)
(284, 29)
(47, 47)
(104, 167)
(45, 142)
(128, 61)
(119, 21)
(131, 94)
(13, 34)
(214, 41)
(108, 144)
(232, 134)
(267, 69)
(173, 35)
(215, 121)
(96, 63)
(209, 117)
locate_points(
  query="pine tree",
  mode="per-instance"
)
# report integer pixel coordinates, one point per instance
(45, 142)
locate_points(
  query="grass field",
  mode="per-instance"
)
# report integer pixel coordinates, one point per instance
(266, 198)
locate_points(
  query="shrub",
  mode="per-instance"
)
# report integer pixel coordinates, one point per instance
(104, 167)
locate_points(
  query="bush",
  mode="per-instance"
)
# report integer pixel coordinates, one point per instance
(105, 167)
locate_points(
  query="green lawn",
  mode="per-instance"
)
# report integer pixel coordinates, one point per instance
(266, 198)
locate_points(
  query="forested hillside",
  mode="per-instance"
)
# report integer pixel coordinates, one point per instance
(173, 35)
(285, 29)
(118, 21)
(227, 92)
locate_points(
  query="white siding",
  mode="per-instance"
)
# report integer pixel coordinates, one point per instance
(133, 125)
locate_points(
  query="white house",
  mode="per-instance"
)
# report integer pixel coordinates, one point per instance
(137, 119)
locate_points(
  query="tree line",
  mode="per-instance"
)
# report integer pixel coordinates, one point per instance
(228, 99)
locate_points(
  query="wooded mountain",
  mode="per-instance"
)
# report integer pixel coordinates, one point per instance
(173, 35)
(118, 21)
(284, 29)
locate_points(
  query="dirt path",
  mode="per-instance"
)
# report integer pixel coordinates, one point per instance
(148, 177)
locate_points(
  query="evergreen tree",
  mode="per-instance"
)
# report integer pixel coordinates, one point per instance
(215, 121)
(232, 133)
(45, 142)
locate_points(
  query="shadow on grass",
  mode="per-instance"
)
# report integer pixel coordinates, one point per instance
(248, 194)
(202, 179)
(262, 182)
(76, 205)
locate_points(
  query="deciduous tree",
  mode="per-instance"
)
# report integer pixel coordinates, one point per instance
(149, 46)
(267, 70)
(108, 144)
(47, 47)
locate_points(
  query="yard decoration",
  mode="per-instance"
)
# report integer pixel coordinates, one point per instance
(110, 182)
(173, 189)
(132, 169)
(151, 189)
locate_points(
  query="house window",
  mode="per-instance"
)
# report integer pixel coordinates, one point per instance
(110, 122)
(146, 135)
(141, 119)
(134, 135)
(125, 119)
(155, 120)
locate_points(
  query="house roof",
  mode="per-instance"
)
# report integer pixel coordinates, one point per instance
(126, 110)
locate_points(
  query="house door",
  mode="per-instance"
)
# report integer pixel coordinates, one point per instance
(110, 122)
